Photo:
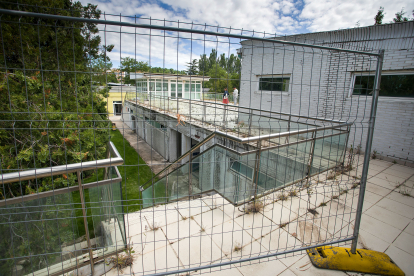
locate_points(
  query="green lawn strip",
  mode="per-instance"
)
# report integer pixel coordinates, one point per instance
(135, 172)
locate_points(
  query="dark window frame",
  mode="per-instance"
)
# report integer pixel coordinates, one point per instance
(362, 85)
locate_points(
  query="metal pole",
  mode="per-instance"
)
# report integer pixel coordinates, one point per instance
(85, 221)
(311, 158)
(367, 154)
(256, 168)
(190, 171)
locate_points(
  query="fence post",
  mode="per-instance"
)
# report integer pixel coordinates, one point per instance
(257, 167)
(85, 221)
(190, 171)
(367, 154)
(311, 157)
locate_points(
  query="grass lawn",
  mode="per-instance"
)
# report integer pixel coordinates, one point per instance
(135, 172)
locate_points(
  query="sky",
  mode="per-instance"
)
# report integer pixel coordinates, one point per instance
(282, 17)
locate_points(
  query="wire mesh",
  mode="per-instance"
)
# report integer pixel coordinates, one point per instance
(206, 185)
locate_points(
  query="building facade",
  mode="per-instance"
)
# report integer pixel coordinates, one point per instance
(169, 85)
(334, 85)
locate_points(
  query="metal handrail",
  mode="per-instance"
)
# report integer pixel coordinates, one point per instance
(243, 141)
(58, 170)
(224, 106)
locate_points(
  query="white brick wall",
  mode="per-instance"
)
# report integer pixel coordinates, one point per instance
(320, 83)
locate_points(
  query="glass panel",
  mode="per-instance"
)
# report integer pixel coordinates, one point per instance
(391, 85)
(158, 85)
(173, 89)
(193, 87)
(187, 87)
(165, 85)
(152, 85)
(41, 226)
(179, 90)
(198, 87)
(274, 84)
(328, 153)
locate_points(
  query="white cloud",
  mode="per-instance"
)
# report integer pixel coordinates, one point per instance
(274, 17)
(325, 15)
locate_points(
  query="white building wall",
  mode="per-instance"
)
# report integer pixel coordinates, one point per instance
(320, 83)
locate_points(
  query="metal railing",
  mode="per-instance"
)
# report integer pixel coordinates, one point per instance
(78, 168)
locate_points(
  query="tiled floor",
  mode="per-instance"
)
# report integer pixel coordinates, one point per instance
(210, 230)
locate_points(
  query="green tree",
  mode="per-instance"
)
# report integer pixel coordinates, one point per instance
(50, 115)
(131, 65)
(399, 16)
(380, 16)
(192, 67)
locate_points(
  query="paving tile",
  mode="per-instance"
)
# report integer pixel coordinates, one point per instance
(214, 201)
(369, 241)
(410, 228)
(402, 259)
(307, 232)
(396, 207)
(160, 215)
(404, 199)
(278, 213)
(197, 250)
(401, 169)
(280, 240)
(287, 272)
(405, 242)
(158, 261)
(211, 218)
(305, 267)
(373, 188)
(296, 205)
(192, 207)
(409, 184)
(380, 163)
(255, 224)
(388, 217)
(379, 229)
(392, 178)
(270, 268)
(385, 183)
(231, 210)
(228, 235)
(181, 230)
(219, 271)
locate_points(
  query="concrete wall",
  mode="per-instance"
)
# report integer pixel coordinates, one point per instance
(321, 80)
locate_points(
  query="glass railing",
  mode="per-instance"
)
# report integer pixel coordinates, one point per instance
(239, 177)
(44, 233)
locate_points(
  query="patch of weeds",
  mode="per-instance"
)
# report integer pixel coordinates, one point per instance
(322, 204)
(184, 218)
(335, 197)
(192, 217)
(293, 193)
(283, 225)
(202, 229)
(254, 207)
(153, 227)
(354, 185)
(123, 260)
(282, 197)
(374, 154)
(343, 191)
(313, 211)
(394, 162)
(237, 247)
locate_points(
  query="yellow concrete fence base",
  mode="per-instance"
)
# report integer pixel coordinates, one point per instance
(365, 261)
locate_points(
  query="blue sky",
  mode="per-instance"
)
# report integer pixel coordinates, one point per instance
(273, 17)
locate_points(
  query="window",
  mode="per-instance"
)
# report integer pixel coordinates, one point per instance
(392, 85)
(242, 169)
(274, 84)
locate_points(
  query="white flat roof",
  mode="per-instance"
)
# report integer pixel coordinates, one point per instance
(168, 76)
